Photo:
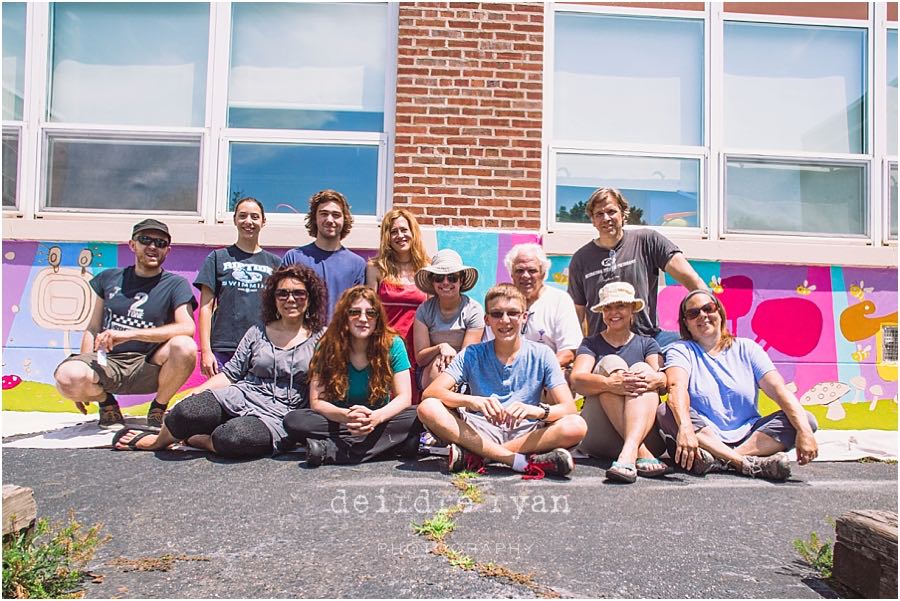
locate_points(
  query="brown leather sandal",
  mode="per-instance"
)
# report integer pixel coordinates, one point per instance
(156, 414)
(111, 417)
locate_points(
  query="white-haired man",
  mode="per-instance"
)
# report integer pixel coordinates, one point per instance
(551, 316)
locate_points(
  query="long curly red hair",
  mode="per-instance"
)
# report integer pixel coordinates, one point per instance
(330, 363)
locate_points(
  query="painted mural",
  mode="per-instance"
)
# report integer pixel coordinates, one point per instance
(825, 327)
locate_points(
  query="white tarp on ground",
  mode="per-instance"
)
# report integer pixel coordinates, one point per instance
(73, 431)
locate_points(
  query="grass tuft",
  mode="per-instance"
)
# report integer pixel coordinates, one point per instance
(817, 553)
(48, 561)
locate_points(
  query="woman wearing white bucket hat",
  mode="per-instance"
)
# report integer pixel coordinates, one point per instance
(621, 389)
(449, 321)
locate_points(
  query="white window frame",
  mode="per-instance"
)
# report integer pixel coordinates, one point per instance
(882, 26)
(219, 213)
(33, 220)
(20, 128)
(553, 147)
(872, 200)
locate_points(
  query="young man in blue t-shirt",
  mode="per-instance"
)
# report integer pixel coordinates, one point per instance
(329, 222)
(502, 419)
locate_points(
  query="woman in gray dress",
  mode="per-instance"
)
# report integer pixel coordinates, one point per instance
(239, 412)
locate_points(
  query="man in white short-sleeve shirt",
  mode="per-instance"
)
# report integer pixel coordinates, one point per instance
(551, 317)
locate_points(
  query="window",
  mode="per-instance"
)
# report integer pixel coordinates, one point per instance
(316, 108)
(129, 64)
(620, 82)
(891, 122)
(892, 201)
(792, 92)
(13, 97)
(791, 88)
(812, 198)
(10, 168)
(121, 70)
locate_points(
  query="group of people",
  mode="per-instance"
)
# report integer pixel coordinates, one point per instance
(361, 360)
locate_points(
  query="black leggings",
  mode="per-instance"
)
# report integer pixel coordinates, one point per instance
(241, 437)
(341, 447)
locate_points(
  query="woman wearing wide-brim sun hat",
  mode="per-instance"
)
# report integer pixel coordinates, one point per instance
(617, 371)
(448, 321)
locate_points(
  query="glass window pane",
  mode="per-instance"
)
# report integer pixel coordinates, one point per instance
(129, 64)
(803, 198)
(13, 60)
(123, 175)
(660, 191)
(308, 66)
(10, 168)
(893, 200)
(795, 88)
(284, 176)
(892, 91)
(628, 79)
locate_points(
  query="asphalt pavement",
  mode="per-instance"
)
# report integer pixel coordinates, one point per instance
(272, 528)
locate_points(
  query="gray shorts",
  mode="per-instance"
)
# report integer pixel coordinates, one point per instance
(124, 373)
(777, 426)
(499, 434)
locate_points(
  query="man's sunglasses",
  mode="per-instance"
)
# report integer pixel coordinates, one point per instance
(708, 308)
(148, 240)
(437, 278)
(298, 294)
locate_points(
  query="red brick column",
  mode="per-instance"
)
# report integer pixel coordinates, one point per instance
(469, 111)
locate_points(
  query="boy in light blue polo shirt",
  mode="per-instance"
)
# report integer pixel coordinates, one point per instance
(500, 418)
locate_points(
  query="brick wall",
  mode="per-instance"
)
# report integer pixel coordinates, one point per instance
(469, 102)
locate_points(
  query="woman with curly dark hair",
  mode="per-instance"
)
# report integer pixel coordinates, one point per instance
(239, 412)
(360, 388)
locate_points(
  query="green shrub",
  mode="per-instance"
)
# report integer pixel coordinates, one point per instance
(817, 553)
(48, 561)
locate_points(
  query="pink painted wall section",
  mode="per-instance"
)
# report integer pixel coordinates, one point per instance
(824, 327)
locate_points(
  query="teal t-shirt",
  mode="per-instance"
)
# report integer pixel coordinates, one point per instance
(358, 379)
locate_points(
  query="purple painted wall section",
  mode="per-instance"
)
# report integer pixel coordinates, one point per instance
(819, 324)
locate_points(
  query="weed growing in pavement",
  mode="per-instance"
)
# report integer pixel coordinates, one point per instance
(48, 561)
(877, 460)
(816, 552)
(438, 526)
(468, 489)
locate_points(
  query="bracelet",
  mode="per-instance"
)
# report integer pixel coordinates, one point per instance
(546, 409)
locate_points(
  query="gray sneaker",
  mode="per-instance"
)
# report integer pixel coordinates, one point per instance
(774, 467)
(705, 463)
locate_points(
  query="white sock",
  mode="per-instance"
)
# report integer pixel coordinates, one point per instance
(519, 462)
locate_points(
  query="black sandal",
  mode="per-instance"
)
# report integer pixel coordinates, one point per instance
(156, 414)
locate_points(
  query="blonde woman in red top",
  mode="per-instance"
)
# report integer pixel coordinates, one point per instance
(391, 273)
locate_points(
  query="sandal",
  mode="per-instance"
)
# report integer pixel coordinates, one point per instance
(622, 472)
(111, 417)
(156, 414)
(131, 444)
(651, 468)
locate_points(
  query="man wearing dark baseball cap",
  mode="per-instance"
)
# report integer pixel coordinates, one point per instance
(140, 339)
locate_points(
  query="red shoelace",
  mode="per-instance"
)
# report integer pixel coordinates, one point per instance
(474, 463)
(535, 471)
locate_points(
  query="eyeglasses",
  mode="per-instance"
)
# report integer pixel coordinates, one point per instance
(437, 278)
(500, 314)
(356, 313)
(148, 240)
(299, 294)
(708, 308)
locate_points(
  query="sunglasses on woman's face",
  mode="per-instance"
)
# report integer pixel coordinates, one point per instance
(299, 294)
(708, 308)
(437, 278)
(356, 313)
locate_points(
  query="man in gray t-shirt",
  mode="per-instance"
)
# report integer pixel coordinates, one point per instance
(634, 256)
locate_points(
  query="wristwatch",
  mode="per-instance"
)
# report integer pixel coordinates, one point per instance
(546, 409)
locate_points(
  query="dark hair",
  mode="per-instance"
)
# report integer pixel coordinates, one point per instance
(320, 198)
(262, 209)
(727, 337)
(314, 318)
(602, 195)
